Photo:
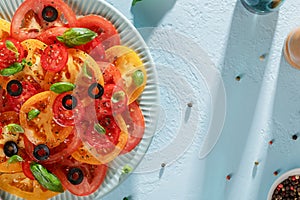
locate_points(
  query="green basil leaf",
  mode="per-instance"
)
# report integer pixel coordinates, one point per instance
(86, 71)
(99, 129)
(77, 36)
(61, 87)
(126, 169)
(138, 77)
(33, 114)
(14, 128)
(118, 96)
(45, 178)
(134, 2)
(11, 70)
(10, 46)
(14, 159)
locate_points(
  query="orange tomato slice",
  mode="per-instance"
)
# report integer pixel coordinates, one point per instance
(18, 184)
(5, 119)
(4, 29)
(128, 62)
(42, 129)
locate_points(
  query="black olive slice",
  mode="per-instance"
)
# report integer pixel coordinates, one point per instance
(69, 102)
(14, 88)
(41, 152)
(96, 93)
(75, 176)
(10, 148)
(49, 14)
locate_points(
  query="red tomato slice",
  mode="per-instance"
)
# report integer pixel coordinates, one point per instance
(136, 126)
(49, 36)
(59, 153)
(28, 22)
(16, 102)
(9, 57)
(103, 142)
(54, 58)
(93, 176)
(106, 106)
(4, 104)
(63, 116)
(111, 73)
(107, 33)
(26, 169)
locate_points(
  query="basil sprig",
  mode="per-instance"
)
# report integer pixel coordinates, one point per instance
(138, 77)
(134, 2)
(99, 128)
(61, 87)
(10, 46)
(14, 159)
(14, 68)
(76, 36)
(14, 128)
(33, 114)
(45, 178)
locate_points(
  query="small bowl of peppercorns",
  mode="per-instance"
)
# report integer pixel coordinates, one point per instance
(287, 186)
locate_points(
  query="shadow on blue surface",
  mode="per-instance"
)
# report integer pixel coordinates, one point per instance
(285, 123)
(250, 37)
(150, 13)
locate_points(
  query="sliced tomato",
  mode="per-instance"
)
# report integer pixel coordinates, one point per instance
(63, 116)
(111, 73)
(95, 49)
(49, 35)
(4, 104)
(107, 33)
(5, 119)
(18, 184)
(134, 119)
(10, 56)
(59, 153)
(93, 176)
(43, 129)
(28, 91)
(54, 58)
(105, 146)
(4, 29)
(26, 169)
(28, 21)
(113, 101)
(128, 62)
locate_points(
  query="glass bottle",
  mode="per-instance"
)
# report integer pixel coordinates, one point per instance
(292, 48)
(262, 6)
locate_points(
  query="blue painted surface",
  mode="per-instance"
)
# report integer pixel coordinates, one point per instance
(263, 105)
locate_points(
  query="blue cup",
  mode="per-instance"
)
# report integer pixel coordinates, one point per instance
(262, 6)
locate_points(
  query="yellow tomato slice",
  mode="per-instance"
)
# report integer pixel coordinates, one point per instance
(82, 155)
(129, 63)
(5, 119)
(4, 29)
(35, 72)
(43, 129)
(18, 184)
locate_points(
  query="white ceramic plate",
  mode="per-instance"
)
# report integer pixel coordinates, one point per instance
(284, 176)
(148, 101)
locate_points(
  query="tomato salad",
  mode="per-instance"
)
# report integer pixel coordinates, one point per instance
(68, 100)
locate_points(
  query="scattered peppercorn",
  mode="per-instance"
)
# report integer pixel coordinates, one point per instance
(271, 142)
(295, 137)
(190, 104)
(238, 78)
(163, 164)
(256, 163)
(275, 173)
(228, 177)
